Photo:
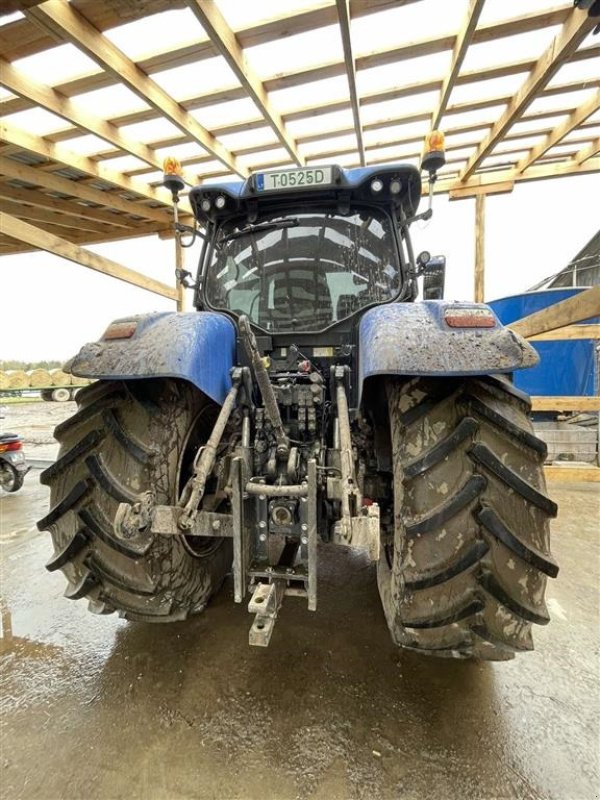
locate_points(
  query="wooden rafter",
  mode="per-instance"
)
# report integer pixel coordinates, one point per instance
(573, 121)
(459, 52)
(574, 30)
(52, 100)
(199, 51)
(17, 39)
(583, 306)
(588, 152)
(343, 10)
(48, 182)
(480, 182)
(416, 88)
(75, 210)
(60, 18)
(16, 170)
(55, 152)
(37, 214)
(225, 41)
(42, 240)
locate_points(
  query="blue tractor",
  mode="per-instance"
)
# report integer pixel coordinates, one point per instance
(309, 399)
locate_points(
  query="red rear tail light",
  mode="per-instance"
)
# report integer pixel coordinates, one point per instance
(469, 318)
(11, 446)
(120, 330)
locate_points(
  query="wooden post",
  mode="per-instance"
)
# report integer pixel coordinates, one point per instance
(479, 247)
(179, 262)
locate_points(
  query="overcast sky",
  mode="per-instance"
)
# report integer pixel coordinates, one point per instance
(50, 306)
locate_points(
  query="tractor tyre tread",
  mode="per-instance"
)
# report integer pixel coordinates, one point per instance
(466, 572)
(127, 438)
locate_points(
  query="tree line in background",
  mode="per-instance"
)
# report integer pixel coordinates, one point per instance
(28, 365)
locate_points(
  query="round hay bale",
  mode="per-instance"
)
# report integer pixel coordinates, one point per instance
(17, 379)
(60, 378)
(4, 380)
(39, 378)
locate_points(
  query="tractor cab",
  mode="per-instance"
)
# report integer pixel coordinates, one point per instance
(304, 249)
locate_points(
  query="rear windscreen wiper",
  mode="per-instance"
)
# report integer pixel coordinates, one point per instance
(262, 226)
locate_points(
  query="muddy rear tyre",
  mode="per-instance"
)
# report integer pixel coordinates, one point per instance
(463, 573)
(125, 439)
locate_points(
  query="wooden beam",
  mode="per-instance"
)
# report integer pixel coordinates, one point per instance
(42, 240)
(574, 30)
(504, 187)
(576, 403)
(313, 110)
(56, 152)
(225, 41)
(591, 331)
(18, 171)
(72, 208)
(588, 152)
(479, 248)
(343, 12)
(583, 306)
(104, 16)
(573, 121)
(572, 474)
(534, 173)
(43, 215)
(459, 51)
(60, 18)
(81, 237)
(51, 100)
(199, 50)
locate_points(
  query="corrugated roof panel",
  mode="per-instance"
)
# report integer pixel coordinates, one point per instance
(237, 141)
(56, 65)
(38, 120)
(110, 101)
(240, 15)
(404, 24)
(304, 50)
(556, 102)
(523, 45)
(203, 76)
(403, 73)
(232, 111)
(150, 130)
(326, 145)
(276, 155)
(418, 130)
(157, 33)
(321, 123)
(294, 97)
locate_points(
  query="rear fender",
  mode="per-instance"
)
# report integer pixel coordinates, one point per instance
(198, 347)
(415, 339)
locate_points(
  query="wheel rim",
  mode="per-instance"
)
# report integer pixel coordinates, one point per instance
(200, 429)
(8, 477)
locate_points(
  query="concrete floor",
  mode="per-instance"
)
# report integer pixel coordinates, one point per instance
(95, 707)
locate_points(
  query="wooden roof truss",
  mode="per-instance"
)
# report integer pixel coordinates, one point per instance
(91, 174)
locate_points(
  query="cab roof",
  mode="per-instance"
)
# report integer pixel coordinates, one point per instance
(398, 185)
